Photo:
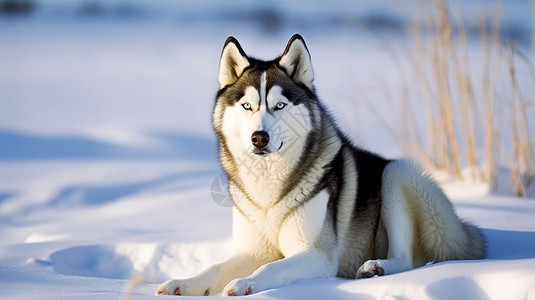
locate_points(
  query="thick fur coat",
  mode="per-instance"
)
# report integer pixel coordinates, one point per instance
(308, 203)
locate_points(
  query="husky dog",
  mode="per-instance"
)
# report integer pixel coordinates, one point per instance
(307, 203)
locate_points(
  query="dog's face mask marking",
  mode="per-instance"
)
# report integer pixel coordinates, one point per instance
(261, 107)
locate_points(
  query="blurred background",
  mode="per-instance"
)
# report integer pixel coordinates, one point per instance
(449, 83)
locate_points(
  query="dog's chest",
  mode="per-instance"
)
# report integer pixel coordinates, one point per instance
(298, 214)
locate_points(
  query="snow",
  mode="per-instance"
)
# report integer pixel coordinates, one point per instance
(109, 179)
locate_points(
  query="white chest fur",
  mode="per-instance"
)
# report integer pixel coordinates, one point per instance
(291, 221)
(302, 227)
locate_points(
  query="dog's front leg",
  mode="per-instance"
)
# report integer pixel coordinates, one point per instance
(213, 279)
(309, 264)
(301, 236)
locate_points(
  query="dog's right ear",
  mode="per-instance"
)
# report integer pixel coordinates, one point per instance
(233, 62)
(296, 62)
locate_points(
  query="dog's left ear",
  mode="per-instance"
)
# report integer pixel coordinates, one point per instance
(297, 63)
(233, 62)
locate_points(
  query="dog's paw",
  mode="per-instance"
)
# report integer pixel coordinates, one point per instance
(181, 288)
(239, 287)
(170, 287)
(370, 269)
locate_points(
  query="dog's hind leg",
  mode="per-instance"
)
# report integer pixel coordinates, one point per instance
(421, 224)
(400, 231)
(396, 218)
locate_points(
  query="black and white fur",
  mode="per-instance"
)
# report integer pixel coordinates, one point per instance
(307, 202)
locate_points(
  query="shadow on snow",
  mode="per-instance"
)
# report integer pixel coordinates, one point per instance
(21, 146)
(97, 195)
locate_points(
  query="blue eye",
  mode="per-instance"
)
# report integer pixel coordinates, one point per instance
(246, 106)
(280, 106)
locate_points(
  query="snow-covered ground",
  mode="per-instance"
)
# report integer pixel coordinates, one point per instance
(108, 166)
(81, 229)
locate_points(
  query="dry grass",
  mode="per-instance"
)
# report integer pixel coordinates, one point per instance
(135, 281)
(470, 123)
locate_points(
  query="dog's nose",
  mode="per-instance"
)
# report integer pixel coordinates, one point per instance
(260, 139)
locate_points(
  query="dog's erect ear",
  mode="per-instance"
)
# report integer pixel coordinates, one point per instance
(233, 62)
(296, 61)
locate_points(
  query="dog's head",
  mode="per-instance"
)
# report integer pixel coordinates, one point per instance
(265, 107)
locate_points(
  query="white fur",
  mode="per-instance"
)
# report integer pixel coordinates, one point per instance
(304, 73)
(397, 221)
(296, 245)
(299, 232)
(263, 92)
(231, 65)
(213, 279)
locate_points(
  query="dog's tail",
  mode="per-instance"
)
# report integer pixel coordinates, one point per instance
(477, 244)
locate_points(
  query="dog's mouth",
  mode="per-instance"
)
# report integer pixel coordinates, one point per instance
(265, 151)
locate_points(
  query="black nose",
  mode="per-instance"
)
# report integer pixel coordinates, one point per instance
(260, 139)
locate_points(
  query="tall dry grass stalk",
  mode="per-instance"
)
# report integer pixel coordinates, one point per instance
(134, 281)
(523, 161)
(443, 48)
(490, 67)
(461, 70)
